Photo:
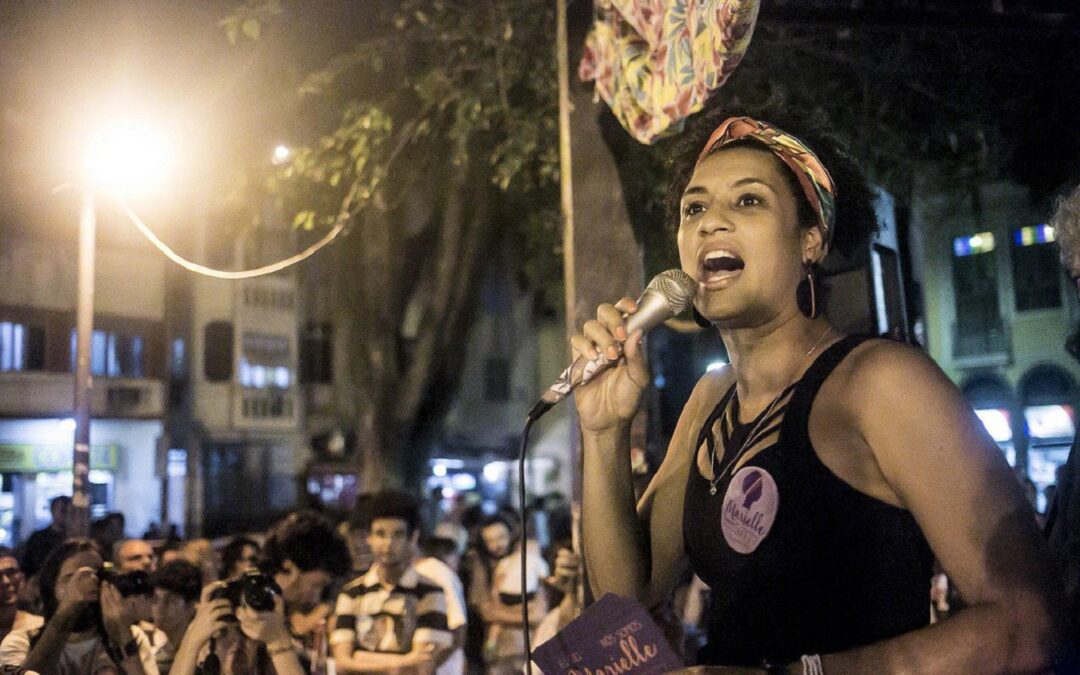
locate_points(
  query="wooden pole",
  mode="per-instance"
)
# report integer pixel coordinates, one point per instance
(566, 193)
(566, 176)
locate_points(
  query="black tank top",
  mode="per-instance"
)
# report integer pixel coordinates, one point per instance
(799, 562)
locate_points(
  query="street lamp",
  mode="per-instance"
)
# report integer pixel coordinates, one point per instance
(122, 157)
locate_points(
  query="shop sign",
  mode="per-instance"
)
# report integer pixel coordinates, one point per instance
(31, 458)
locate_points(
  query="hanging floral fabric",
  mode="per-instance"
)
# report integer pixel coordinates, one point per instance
(655, 62)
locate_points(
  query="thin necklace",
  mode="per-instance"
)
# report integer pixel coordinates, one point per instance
(744, 446)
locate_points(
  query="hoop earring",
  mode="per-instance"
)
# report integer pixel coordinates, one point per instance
(806, 295)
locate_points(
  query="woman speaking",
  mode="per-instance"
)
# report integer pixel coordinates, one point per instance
(813, 482)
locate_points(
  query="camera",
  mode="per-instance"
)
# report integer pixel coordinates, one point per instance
(253, 588)
(128, 583)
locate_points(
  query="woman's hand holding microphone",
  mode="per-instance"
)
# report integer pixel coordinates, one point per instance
(611, 398)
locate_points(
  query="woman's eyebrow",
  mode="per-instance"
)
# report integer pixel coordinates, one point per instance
(748, 180)
(696, 190)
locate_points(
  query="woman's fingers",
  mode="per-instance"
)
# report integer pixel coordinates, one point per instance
(612, 319)
(626, 305)
(583, 346)
(603, 339)
(606, 333)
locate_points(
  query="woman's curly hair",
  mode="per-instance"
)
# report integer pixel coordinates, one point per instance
(1066, 224)
(856, 220)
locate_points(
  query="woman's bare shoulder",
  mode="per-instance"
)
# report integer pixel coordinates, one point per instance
(882, 363)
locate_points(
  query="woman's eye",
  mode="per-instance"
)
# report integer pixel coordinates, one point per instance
(748, 200)
(692, 209)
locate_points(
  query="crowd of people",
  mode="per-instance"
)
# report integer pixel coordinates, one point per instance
(394, 587)
(881, 486)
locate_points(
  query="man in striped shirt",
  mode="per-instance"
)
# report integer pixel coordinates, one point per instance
(392, 617)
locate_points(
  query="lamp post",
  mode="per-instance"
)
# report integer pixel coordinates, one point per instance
(78, 524)
(120, 158)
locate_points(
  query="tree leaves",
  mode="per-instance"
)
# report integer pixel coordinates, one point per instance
(248, 19)
(466, 86)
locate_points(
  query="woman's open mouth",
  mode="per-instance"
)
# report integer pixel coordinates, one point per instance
(718, 266)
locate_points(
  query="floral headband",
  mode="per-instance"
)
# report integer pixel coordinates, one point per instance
(814, 178)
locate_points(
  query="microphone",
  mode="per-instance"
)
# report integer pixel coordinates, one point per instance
(668, 294)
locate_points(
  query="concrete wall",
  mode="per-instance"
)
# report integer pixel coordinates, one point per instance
(128, 282)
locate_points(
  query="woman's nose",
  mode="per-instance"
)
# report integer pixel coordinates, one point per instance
(713, 221)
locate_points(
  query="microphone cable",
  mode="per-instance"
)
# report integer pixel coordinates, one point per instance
(539, 409)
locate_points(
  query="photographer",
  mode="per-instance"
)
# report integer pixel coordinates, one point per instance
(268, 647)
(303, 554)
(177, 587)
(87, 625)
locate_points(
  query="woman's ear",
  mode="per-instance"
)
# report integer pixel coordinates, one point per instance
(813, 246)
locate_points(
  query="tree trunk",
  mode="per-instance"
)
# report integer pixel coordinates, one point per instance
(392, 371)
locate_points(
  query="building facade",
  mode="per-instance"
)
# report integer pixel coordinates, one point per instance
(998, 312)
(37, 347)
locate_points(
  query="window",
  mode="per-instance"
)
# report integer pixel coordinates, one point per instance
(178, 358)
(12, 345)
(264, 361)
(1036, 279)
(218, 347)
(22, 347)
(975, 284)
(112, 354)
(317, 354)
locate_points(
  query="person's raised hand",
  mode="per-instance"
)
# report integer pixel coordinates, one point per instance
(567, 570)
(612, 397)
(82, 589)
(211, 616)
(116, 615)
(264, 626)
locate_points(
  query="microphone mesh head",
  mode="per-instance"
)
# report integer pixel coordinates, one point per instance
(677, 287)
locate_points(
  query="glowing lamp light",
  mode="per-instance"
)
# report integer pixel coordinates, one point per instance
(462, 482)
(281, 154)
(997, 424)
(1036, 234)
(983, 242)
(67, 425)
(715, 365)
(439, 470)
(1050, 421)
(494, 471)
(126, 156)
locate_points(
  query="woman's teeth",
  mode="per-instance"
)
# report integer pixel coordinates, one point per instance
(722, 261)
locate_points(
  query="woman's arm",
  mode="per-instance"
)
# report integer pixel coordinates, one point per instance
(638, 551)
(941, 464)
